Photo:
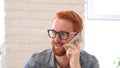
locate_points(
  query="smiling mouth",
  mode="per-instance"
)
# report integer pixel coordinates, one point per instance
(59, 45)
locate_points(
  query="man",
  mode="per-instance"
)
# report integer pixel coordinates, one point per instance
(66, 25)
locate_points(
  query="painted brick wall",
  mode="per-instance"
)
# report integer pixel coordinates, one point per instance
(26, 23)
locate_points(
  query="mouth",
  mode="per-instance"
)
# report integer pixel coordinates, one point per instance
(59, 45)
(58, 49)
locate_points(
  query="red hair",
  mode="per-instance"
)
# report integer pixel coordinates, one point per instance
(72, 16)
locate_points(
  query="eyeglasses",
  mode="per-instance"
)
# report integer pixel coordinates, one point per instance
(62, 34)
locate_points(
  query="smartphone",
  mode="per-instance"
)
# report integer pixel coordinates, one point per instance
(78, 38)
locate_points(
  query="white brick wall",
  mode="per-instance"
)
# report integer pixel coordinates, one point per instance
(26, 24)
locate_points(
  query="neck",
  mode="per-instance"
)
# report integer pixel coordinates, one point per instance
(62, 61)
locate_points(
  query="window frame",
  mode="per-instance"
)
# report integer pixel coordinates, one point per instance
(92, 16)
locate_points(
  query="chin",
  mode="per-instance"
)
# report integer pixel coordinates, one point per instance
(58, 52)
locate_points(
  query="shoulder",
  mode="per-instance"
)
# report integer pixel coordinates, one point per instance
(40, 58)
(88, 59)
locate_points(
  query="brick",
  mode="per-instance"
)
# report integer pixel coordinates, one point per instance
(56, 2)
(26, 24)
(18, 15)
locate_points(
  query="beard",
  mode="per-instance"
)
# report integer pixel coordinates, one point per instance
(56, 51)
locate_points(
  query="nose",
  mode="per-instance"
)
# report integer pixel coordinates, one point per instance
(57, 38)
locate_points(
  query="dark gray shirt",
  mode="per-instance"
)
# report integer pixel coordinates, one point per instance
(46, 59)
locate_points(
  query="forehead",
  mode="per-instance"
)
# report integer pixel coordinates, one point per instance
(62, 25)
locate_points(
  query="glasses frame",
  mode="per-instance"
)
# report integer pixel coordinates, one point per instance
(68, 33)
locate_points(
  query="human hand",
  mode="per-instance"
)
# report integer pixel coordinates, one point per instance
(73, 54)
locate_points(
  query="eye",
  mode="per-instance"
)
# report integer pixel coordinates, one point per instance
(63, 35)
(51, 33)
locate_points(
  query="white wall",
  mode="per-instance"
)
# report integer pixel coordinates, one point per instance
(2, 28)
(102, 39)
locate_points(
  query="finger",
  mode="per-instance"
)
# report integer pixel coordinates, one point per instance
(72, 46)
(69, 52)
(77, 43)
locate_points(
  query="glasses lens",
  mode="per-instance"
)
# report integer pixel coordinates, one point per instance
(51, 33)
(63, 35)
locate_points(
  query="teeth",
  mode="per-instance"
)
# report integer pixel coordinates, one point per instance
(58, 45)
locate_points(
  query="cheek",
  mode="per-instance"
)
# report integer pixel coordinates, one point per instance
(69, 39)
(65, 41)
(52, 41)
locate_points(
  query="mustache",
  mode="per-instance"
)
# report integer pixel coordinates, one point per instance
(59, 43)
